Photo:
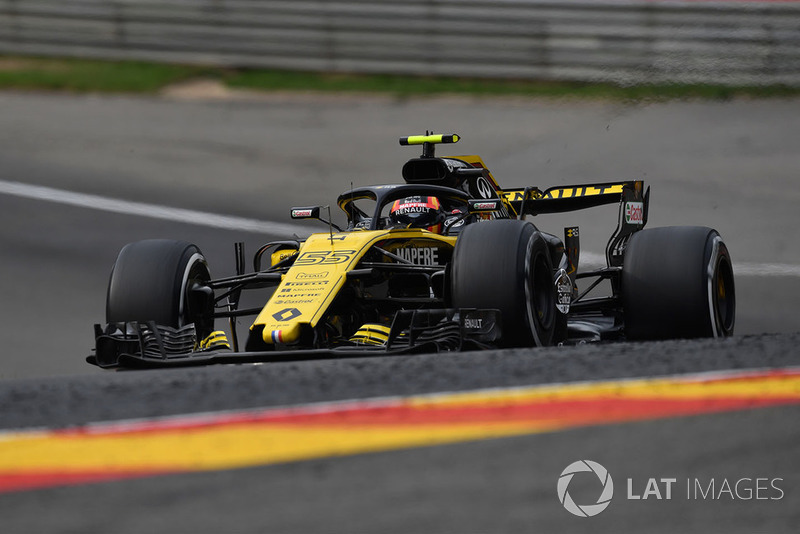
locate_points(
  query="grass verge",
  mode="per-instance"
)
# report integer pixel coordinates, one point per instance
(82, 75)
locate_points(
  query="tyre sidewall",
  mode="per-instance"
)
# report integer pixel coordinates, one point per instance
(150, 281)
(668, 279)
(494, 267)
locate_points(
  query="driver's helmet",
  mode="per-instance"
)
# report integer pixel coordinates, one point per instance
(417, 212)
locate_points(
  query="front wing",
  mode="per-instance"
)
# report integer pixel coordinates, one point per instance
(147, 345)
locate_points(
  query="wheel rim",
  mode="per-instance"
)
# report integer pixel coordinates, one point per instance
(540, 301)
(724, 296)
(196, 273)
(542, 294)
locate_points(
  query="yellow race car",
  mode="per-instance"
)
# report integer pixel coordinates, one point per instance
(444, 261)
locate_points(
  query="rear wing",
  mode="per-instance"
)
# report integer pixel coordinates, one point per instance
(631, 195)
(560, 199)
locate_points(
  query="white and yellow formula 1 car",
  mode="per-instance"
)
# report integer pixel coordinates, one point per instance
(445, 261)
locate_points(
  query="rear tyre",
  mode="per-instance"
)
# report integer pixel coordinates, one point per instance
(506, 265)
(162, 281)
(677, 282)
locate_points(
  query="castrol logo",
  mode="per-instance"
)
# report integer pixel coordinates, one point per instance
(634, 212)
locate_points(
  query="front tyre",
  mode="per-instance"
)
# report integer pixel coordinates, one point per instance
(163, 281)
(506, 265)
(677, 282)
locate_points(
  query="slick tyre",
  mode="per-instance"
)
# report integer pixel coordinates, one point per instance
(162, 281)
(677, 282)
(506, 265)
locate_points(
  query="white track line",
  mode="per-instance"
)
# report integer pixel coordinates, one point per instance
(227, 222)
(153, 211)
(593, 260)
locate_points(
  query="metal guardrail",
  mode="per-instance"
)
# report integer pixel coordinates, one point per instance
(621, 41)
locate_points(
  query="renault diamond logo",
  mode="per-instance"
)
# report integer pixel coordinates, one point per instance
(286, 314)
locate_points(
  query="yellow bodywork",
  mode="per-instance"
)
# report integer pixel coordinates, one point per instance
(316, 277)
(282, 254)
(371, 334)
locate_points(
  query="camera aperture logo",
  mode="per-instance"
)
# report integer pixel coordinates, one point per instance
(659, 488)
(585, 510)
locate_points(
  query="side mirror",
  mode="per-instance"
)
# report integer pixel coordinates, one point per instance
(313, 213)
(305, 213)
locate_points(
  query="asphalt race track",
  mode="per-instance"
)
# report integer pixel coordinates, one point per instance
(66, 162)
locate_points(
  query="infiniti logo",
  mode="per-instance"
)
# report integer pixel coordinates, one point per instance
(585, 466)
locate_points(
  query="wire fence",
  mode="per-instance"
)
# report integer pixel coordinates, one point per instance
(620, 41)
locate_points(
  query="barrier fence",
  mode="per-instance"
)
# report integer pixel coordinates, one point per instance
(620, 41)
